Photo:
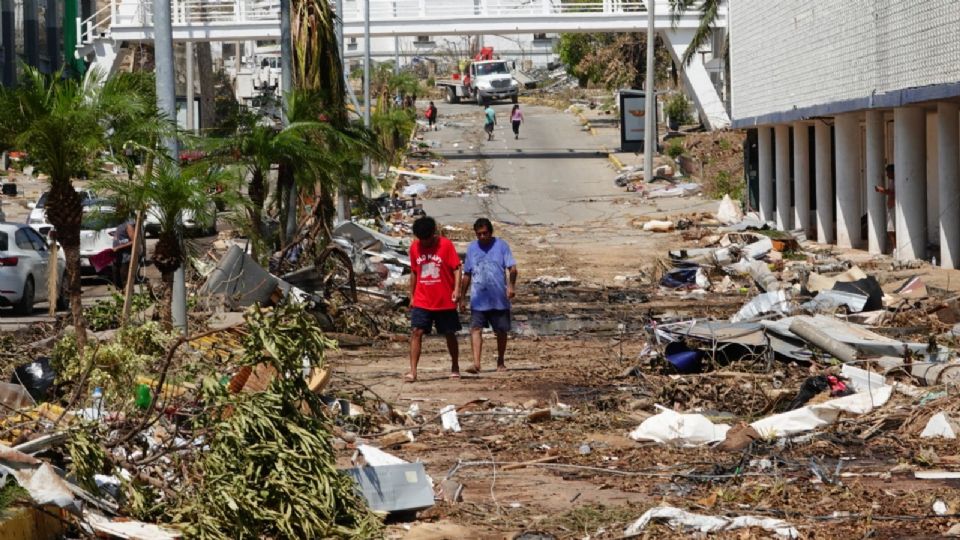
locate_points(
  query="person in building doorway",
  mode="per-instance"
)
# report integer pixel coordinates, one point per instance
(490, 120)
(431, 114)
(434, 291)
(889, 191)
(516, 118)
(490, 275)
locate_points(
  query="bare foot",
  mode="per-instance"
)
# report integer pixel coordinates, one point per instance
(410, 377)
(473, 370)
(501, 367)
(454, 374)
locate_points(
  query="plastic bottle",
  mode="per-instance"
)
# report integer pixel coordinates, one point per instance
(97, 403)
(143, 397)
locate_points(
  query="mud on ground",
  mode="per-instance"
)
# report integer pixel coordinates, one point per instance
(573, 350)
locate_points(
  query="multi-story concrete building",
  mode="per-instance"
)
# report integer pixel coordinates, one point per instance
(836, 91)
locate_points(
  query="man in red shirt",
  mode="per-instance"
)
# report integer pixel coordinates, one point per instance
(435, 292)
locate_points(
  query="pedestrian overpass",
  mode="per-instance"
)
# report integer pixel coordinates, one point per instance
(120, 21)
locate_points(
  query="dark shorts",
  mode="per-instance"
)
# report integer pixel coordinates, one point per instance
(446, 321)
(488, 128)
(498, 319)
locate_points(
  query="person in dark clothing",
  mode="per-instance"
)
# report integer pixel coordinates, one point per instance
(431, 115)
(123, 251)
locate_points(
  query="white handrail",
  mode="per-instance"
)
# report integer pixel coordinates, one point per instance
(226, 12)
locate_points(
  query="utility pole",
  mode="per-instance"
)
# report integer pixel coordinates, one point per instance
(650, 100)
(286, 86)
(366, 82)
(342, 211)
(167, 103)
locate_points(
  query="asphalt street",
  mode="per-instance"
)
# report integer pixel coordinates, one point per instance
(554, 174)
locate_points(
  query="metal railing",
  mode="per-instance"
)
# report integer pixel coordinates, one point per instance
(139, 13)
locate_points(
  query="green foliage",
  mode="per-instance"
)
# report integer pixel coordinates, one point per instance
(105, 314)
(675, 148)
(11, 493)
(572, 49)
(726, 184)
(270, 471)
(116, 363)
(678, 108)
(87, 457)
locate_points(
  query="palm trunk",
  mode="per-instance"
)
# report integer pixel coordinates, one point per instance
(257, 193)
(166, 301)
(285, 183)
(72, 254)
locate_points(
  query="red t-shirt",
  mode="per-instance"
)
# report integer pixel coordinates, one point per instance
(434, 269)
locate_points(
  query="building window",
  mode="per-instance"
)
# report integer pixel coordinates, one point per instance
(352, 45)
(539, 37)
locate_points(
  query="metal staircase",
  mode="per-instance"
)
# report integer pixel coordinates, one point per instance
(120, 21)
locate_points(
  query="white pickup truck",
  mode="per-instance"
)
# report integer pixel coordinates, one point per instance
(485, 81)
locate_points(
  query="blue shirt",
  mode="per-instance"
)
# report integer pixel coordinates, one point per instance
(488, 279)
(492, 119)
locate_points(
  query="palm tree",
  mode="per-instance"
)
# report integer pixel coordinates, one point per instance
(59, 123)
(259, 148)
(709, 14)
(170, 192)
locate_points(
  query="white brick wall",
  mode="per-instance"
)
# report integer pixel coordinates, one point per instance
(788, 54)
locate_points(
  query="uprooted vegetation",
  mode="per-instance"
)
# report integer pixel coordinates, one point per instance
(244, 452)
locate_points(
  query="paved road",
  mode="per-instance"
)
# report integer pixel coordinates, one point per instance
(555, 174)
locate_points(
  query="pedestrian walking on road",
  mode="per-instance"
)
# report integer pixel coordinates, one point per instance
(435, 292)
(431, 114)
(490, 120)
(516, 118)
(490, 275)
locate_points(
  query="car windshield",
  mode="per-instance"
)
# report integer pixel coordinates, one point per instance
(490, 69)
(42, 203)
(4, 242)
(97, 218)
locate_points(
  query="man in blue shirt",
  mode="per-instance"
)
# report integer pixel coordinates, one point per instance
(489, 263)
(490, 120)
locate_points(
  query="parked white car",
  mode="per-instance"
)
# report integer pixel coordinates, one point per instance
(99, 224)
(38, 211)
(24, 267)
(151, 222)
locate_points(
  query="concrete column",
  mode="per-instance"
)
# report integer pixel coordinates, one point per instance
(801, 177)
(9, 44)
(784, 206)
(910, 178)
(765, 157)
(53, 35)
(876, 176)
(823, 154)
(847, 128)
(31, 33)
(948, 138)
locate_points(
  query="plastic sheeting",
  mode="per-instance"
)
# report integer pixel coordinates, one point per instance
(670, 427)
(675, 517)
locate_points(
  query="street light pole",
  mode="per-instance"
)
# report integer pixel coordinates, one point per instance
(167, 103)
(366, 83)
(650, 100)
(286, 86)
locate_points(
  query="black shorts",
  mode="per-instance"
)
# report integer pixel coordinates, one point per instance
(498, 319)
(488, 128)
(446, 321)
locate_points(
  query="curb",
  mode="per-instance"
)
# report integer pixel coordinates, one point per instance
(587, 124)
(614, 159)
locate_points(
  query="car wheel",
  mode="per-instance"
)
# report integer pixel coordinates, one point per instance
(25, 305)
